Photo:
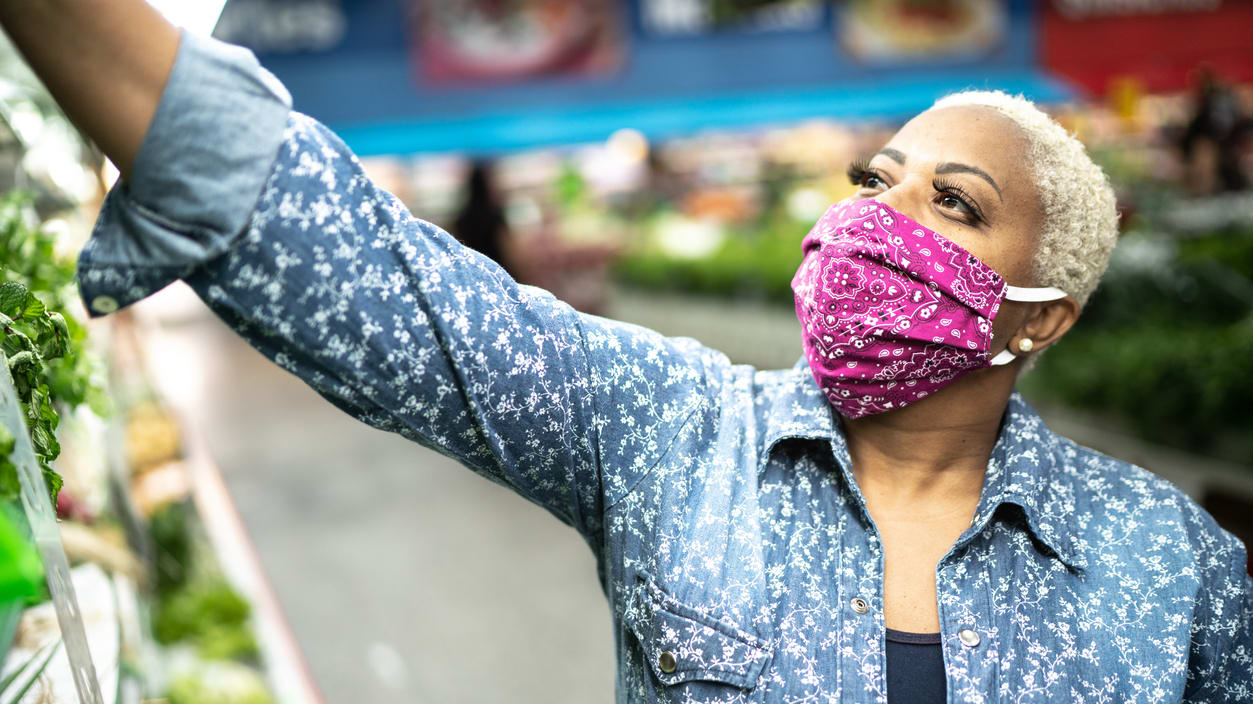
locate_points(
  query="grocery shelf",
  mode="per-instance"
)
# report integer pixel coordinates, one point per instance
(285, 668)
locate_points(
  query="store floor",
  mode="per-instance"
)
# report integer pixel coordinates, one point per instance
(404, 576)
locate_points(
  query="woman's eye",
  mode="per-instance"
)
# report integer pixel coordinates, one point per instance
(872, 180)
(948, 200)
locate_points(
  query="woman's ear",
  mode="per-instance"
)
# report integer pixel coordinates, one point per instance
(1046, 325)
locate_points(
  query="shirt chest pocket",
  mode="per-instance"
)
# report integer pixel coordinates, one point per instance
(683, 643)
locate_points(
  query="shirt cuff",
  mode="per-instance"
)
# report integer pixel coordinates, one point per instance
(196, 178)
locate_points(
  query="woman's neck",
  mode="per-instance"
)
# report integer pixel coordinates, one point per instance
(928, 459)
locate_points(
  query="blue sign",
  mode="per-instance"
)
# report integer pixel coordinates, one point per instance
(368, 69)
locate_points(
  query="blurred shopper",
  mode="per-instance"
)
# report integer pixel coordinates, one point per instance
(1214, 140)
(480, 224)
(887, 521)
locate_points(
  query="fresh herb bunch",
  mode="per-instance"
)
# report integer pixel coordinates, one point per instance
(31, 334)
(44, 350)
(28, 256)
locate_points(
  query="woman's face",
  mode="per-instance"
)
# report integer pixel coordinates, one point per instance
(963, 172)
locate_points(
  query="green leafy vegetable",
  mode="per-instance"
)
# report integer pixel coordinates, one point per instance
(209, 613)
(170, 530)
(44, 350)
(28, 336)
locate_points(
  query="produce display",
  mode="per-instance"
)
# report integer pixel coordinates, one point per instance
(161, 620)
(32, 337)
(44, 349)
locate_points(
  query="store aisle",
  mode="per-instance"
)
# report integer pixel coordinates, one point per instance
(405, 577)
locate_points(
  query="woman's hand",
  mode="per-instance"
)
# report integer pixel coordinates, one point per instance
(104, 61)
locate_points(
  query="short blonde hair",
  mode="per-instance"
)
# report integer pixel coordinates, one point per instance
(1080, 220)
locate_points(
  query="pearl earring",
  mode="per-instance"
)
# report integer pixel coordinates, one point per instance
(1026, 344)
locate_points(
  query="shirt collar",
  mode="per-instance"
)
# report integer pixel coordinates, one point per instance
(789, 404)
(1021, 470)
(1024, 470)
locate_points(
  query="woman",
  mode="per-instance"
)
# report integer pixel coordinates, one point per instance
(886, 521)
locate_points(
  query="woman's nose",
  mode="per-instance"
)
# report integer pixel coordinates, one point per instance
(905, 198)
(892, 197)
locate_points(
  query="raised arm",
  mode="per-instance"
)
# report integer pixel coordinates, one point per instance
(272, 221)
(105, 62)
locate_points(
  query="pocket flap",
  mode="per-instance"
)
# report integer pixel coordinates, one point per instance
(696, 645)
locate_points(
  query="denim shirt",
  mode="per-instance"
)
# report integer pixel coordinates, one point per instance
(731, 539)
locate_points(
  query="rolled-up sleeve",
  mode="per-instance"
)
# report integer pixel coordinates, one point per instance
(221, 112)
(272, 221)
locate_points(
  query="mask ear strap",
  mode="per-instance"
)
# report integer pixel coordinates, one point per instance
(1026, 295)
(1003, 357)
(1033, 295)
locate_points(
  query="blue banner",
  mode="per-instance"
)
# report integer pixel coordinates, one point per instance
(404, 77)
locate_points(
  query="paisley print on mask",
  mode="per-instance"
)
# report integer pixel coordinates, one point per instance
(890, 311)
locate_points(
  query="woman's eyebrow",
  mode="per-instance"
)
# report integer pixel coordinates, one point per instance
(949, 167)
(894, 155)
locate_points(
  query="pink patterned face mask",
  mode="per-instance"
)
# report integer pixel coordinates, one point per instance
(891, 311)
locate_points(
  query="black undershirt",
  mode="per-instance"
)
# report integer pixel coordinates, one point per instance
(915, 668)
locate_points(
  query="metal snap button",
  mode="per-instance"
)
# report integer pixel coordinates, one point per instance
(968, 637)
(104, 304)
(859, 605)
(667, 662)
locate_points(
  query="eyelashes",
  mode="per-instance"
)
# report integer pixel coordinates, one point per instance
(943, 185)
(859, 171)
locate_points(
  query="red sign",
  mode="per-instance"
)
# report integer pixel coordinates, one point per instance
(1160, 43)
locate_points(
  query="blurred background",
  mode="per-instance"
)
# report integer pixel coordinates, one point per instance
(656, 161)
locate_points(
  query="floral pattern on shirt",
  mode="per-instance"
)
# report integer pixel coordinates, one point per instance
(729, 531)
